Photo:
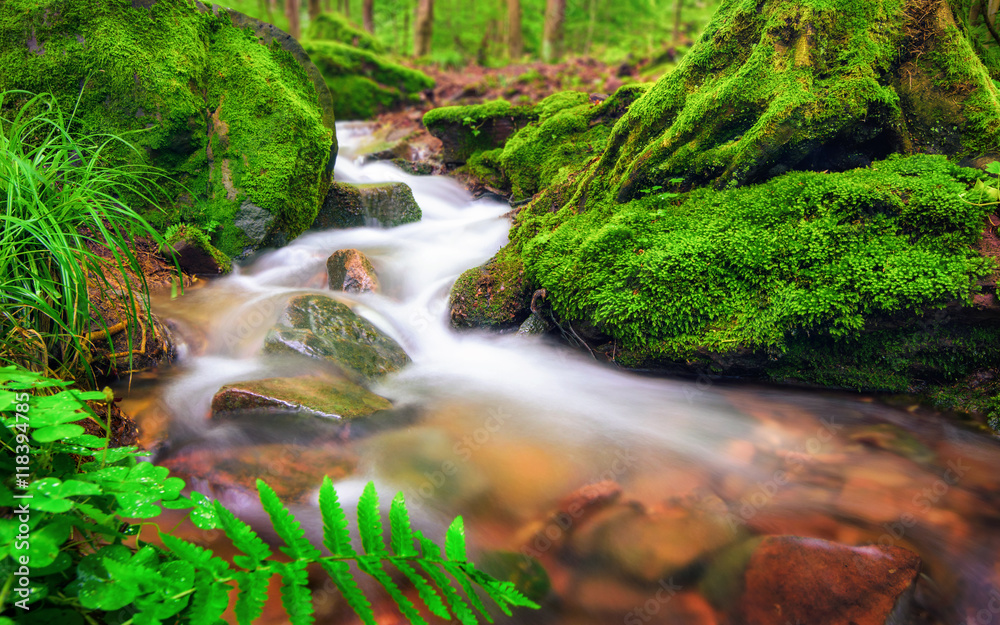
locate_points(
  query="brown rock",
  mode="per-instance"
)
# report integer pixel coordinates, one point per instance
(351, 271)
(807, 580)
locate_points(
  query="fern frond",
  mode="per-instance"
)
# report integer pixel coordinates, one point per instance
(340, 573)
(502, 592)
(401, 535)
(428, 594)
(458, 605)
(201, 558)
(295, 596)
(286, 525)
(336, 536)
(210, 600)
(253, 595)
(458, 572)
(373, 567)
(454, 541)
(370, 522)
(244, 539)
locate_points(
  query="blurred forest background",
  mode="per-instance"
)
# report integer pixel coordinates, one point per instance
(451, 34)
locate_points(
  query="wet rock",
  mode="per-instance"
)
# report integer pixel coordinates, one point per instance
(319, 327)
(808, 580)
(534, 325)
(254, 222)
(382, 205)
(351, 271)
(496, 296)
(193, 251)
(650, 545)
(320, 396)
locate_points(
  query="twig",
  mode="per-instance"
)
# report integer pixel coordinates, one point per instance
(989, 22)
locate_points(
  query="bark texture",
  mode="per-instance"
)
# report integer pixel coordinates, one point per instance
(552, 35)
(424, 25)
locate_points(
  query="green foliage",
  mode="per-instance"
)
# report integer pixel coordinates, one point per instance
(749, 268)
(61, 202)
(95, 577)
(335, 27)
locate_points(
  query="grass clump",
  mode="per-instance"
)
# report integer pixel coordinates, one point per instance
(750, 268)
(60, 204)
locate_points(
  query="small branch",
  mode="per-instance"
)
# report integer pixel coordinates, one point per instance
(989, 21)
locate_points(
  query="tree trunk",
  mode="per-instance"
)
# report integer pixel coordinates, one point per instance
(292, 8)
(424, 25)
(781, 87)
(314, 9)
(367, 15)
(552, 37)
(515, 44)
(345, 8)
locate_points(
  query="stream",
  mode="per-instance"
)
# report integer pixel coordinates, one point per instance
(626, 488)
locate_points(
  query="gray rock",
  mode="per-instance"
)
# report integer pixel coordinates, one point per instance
(381, 205)
(533, 326)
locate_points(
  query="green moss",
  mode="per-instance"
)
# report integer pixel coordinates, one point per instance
(335, 27)
(193, 235)
(495, 296)
(750, 268)
(229, 119)
(363, 83)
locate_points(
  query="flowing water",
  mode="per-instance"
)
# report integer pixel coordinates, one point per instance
(510, 431)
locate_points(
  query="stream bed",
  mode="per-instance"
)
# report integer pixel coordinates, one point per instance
(636, 494)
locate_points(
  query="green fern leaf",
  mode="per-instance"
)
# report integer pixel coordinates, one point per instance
(458, 572)
(401, 536)
(335, 534)
(286, 525)
(373, 566)
(244, 539)
(454, 541)
(201, 558)
(340, 573)
(458, 605)
(503, 592)
(427, 593)
(370, 522)
(210, 600)
(253, 594)
(295, 595)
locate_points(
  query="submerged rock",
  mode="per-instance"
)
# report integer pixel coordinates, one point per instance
(320, 396)
(808, 580)
(351, 271)
(229, 106)
(320, 327)
(382, 204)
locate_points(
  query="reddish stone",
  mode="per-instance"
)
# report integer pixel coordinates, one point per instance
(807, 580)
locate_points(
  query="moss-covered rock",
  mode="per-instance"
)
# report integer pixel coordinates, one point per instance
(495, 296)
(228, 106)
(193, 251)
(465, 130)
(319, 327)
(321, 396)
(335, 27)
(378, 205)
(364, 83)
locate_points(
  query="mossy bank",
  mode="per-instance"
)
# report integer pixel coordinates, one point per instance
(788, 204)
(229, 107)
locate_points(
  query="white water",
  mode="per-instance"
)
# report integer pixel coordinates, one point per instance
(520, 421)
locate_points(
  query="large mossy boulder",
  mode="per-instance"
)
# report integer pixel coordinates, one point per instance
(362, 79)
(466, 130)
(323, 328)
(781, 206)
(230, 107)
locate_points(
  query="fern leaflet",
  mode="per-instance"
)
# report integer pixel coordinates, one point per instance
(458, 605)
(428, 594)
(201, 558)
(286, 525)
(335, 534)
(401, 536)
(253, 594)
(372, 566)
(370, 522)
(210, 600)
(340, 573)
(295, 595)
(244, 539)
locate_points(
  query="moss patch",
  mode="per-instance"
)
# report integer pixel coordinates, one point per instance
(495, 296)
(335, 27)
(750, 268)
